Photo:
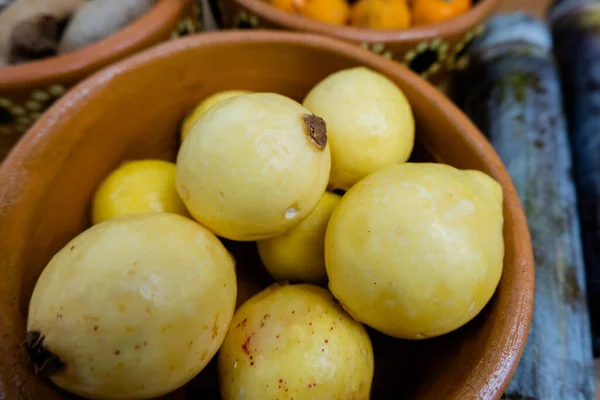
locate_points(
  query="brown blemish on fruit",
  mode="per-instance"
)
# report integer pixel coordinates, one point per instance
(316, 130)
(72, 247)
(215, 328)
(44, 361)
(246, 344)
(242, 324)
(262, 321)
(146, 343)
(95, 328)
(137, 347)
(117, 352)
(204, 355)
(59, 316)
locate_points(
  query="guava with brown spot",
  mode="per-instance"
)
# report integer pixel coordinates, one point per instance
(119, 332)
(280, 345)
(253, 166)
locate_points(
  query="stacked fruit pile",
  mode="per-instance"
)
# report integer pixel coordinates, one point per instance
(138, 304)
(376, 14)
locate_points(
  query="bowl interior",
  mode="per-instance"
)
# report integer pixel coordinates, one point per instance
(133, 110)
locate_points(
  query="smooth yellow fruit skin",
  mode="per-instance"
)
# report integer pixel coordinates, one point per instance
(370, 123)
(204, 105)
(248, 171)
(135, 306)
(299, 254)
(293, 341)
(416, 250)
(141, 186)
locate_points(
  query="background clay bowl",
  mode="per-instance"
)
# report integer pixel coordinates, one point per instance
(133, 110)
(432, 51)
(26, 90)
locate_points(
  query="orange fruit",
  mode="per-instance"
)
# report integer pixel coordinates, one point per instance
(381, 14)
(332, 11)
(427, 12)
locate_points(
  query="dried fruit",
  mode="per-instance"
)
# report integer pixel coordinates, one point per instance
(97, 19)
(34, 38)
(19, 11)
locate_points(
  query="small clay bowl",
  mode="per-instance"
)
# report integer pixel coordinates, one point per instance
(432, 51)
(26, 90)
(133, 110)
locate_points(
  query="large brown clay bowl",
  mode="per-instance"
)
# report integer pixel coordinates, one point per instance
(26, 90)
(133, 110)
(432, 51)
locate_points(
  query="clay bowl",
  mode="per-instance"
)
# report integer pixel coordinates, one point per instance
(133, 109)
(26, 90)
(432, 51)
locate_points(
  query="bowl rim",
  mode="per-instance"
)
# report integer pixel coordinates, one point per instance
(98, 54)
(453, 26)
(19, 170)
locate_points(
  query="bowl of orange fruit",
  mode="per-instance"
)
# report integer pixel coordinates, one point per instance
(431, 37)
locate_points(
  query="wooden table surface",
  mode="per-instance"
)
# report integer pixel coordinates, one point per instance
(537, 7)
